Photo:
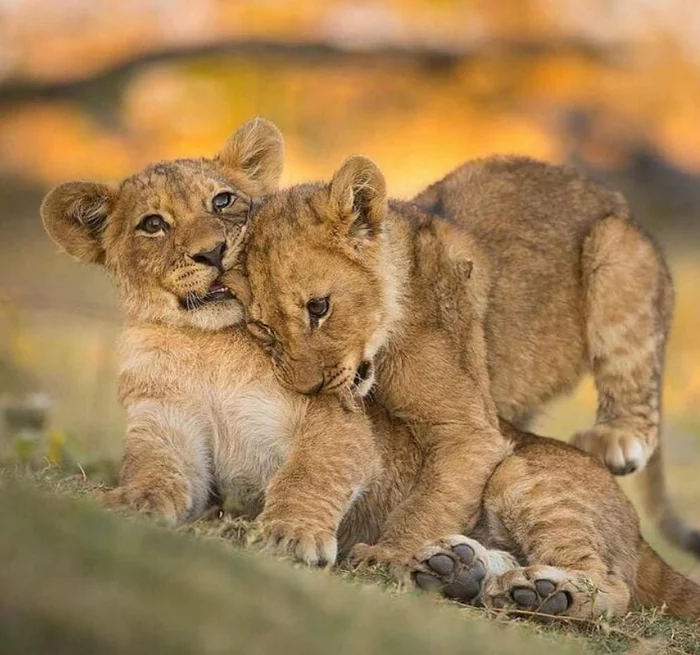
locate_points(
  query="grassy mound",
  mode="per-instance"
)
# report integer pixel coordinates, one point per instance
(75, 579)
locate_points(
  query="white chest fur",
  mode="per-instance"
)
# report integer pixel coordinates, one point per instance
(223, 385)
(252, 428)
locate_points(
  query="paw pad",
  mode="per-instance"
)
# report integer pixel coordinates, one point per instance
(427, 582)
(441, 564)
(542, 598)
(525, 598)
(454, 573)
(465, 553)
(545, 587)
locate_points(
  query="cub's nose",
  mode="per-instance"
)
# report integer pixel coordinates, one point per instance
(211, 257)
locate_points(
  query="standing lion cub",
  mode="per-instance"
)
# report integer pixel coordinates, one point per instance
(562, 280)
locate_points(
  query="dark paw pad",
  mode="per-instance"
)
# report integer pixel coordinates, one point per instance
(543, 600)
(441, 564)
(427, 582)
(465, 553)
(466, 585)
(525, 598)
(626, 469)
(545, 587)
(556, 604)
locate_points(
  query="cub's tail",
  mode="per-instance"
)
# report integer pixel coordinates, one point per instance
(658, 584)
(659, 507)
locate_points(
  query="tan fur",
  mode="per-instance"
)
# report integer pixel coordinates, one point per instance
(380, 275)
(573, 531)
(576, 285)
(562, 280)
(568, 523)
(549, 513)
(204, 411)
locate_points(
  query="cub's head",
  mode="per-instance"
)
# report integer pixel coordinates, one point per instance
(322, 287)
(168, 234)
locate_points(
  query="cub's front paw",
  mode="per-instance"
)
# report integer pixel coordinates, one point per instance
(304, 542)
(395, 561)
(455, 566)
(169, 504)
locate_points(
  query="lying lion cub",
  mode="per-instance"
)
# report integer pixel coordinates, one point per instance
(206, 413)
(204, 410)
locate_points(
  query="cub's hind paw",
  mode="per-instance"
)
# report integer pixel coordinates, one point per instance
(306, 543)
(543, 598)
(455, 566)
(543, 590)
(618, 447)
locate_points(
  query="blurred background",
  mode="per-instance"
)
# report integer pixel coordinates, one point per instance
(97, 90)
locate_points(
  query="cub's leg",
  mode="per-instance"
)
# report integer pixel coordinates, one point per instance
(332, 459)
(455, 423)
(166, 470)
(628, 306)
(573, 527)
(437, 381)
(457, 567)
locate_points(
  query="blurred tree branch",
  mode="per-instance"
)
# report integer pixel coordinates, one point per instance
(19, 90)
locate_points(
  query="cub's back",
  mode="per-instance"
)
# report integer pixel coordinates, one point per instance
(530, 218)
(508, 200)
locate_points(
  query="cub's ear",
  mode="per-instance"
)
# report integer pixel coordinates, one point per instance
(75, 214)
(358, 197)
(257, 149)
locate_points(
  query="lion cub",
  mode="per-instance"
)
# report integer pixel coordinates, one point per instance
(204, 411)
(342, 279)
(575, 537)
(576, 286)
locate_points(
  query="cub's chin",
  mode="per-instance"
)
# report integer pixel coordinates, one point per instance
(218, 308)
(215, 315)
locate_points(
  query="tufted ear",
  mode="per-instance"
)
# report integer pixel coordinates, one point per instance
(358, 197)
(75, 214)
(257, 149)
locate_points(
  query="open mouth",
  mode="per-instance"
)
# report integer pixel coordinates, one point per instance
(217, 292)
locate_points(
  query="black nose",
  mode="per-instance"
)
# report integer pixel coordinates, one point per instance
(364, 370)
(212, 257)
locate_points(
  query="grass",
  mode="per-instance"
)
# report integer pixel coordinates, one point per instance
(64, 549)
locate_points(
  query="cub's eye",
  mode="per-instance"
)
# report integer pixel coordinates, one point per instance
(317, 308)
(153, 224)
(222, 200)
